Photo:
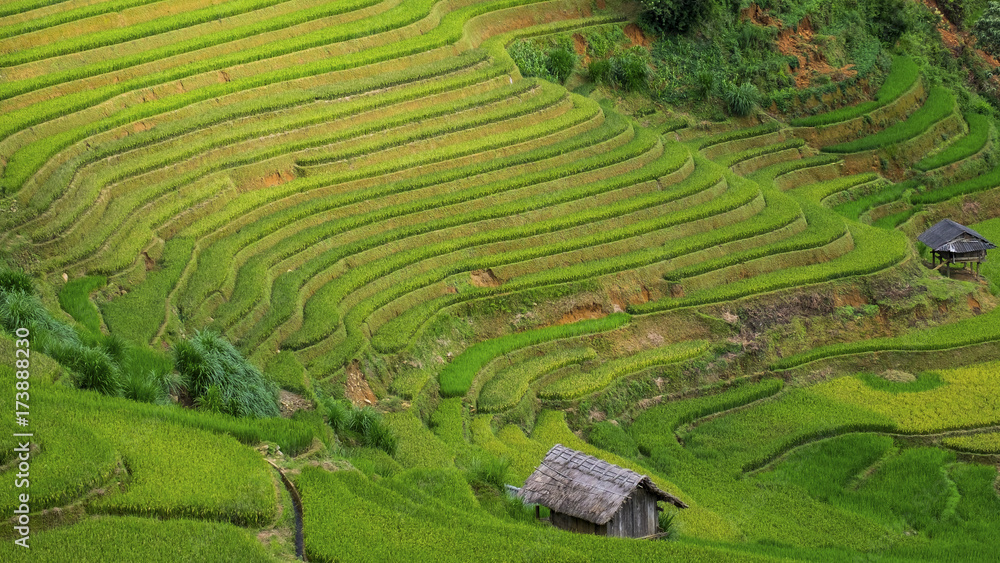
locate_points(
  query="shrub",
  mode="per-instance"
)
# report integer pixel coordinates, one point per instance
(675, 15)
(207, 360)
(364, 425)
(15, 280)
(141, 386)
(337, 414)
(987, 29)
(666, 521)
(704, 83)
(630, 70)
(740, 100)
(560, 64)
(380, 436)
(599, 70)
(20, 309)
(93, 369)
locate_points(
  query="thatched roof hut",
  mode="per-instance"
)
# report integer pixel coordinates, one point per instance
(589, 495)
(953, 243)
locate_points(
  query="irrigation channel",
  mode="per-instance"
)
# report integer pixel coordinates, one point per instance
(297, 506)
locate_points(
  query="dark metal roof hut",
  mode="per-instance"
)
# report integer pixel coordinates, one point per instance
(950, 243)
(589, 495)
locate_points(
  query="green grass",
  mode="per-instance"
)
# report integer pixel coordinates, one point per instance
(132, 59)
(137, 315)
(457, 376)
(734, 159)
(896, 219)
(940, 104)
(128, 538)
(975, 330)
(796, 417)
(873, 251)
(506, 389)
(30, 158)
(985, 443)
(827, 467)
(62, 17)
(768, 174)
(888, 194)
(398, 525)
(74, 298)
(968, 145)
(580, 384)
(986, 181)
(737, 134)
(133, 32)
(901, 78)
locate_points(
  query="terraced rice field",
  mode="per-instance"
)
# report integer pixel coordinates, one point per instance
(327, 183)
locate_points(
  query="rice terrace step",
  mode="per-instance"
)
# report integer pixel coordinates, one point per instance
(331, 280)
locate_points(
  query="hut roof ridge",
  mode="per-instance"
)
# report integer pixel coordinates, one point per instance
(944, 235)
(583, 486)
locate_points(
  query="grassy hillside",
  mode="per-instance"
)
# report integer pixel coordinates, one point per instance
(442, 236)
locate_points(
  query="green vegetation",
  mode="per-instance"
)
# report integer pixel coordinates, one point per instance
(987, 181)
(888, 194)
(985, 443)
(505, 389)
(75, 300)
(987, 28)
(578, 385)
(364, 425)
(221, 380)
(129, 538)
(403, 205)
(903, 76)
(962, 333)
(940, 103)
(968, 145)
(458, 375)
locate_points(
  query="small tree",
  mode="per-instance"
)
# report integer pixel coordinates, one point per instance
(675, 15)
(987, 29)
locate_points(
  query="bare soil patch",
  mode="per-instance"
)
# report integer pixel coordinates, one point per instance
(581, 312)
(897, 376)
(636, 36)
(357, 389)
(484, 278)
(289, 402)
(852, 298)
(799, 42)
(975, 306)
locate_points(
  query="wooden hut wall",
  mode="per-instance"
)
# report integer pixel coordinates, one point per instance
(578, 525)
(637, 516)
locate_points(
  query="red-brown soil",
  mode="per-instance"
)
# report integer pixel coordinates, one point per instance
(484, 278)
(581, 312)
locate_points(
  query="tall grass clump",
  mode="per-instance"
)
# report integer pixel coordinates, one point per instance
(365, 426)
(630, 70)
(207, 360)
(740, 100)
(488, 470)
